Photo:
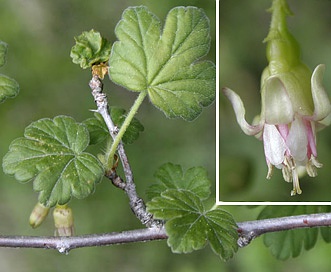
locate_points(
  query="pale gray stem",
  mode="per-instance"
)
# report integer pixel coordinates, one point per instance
(136, 203)
(251, 229)
(247, 231)
(65, 244)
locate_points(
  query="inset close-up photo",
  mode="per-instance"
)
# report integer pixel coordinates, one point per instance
(275, 109)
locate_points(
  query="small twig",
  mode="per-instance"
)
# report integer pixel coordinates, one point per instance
(136, 203)
(116, 179)
(251, 229)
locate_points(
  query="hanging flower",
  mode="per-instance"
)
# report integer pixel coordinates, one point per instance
(294, 105)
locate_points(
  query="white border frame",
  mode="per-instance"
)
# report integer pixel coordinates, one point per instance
(217, 102)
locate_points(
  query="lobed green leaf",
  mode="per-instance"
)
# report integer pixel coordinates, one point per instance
(9, 88)
(165, 64)
(51, 155)
(286, 244)
(222, 234)
(171, 176)
(190, 227)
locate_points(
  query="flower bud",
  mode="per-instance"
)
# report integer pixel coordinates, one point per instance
(63, 220)
(38, 215)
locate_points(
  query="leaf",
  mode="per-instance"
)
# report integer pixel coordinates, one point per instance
(171, 176)
(51, 155)
(99, 131)
(289, 243)
(3, 52)
(90, 48)
(132, 132)
(190, 227)
(9, 88)
(165, 64)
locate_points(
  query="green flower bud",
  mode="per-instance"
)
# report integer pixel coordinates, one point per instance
(63, 220)
(38, 215)
(90, 49)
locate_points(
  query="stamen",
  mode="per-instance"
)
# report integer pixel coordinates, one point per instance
(290, 174)
(287, 170)
(296, 184)
(315, 162)
(270, 170)
(311, 166)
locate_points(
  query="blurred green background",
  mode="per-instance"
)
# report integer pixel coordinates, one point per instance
(40, 35)
(243, 26)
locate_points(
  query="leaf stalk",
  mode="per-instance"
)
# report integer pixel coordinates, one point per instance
(125, 125)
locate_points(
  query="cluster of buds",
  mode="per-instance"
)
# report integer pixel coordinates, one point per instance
(294, 105)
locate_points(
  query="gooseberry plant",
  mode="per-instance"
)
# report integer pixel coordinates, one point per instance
(165, 66)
